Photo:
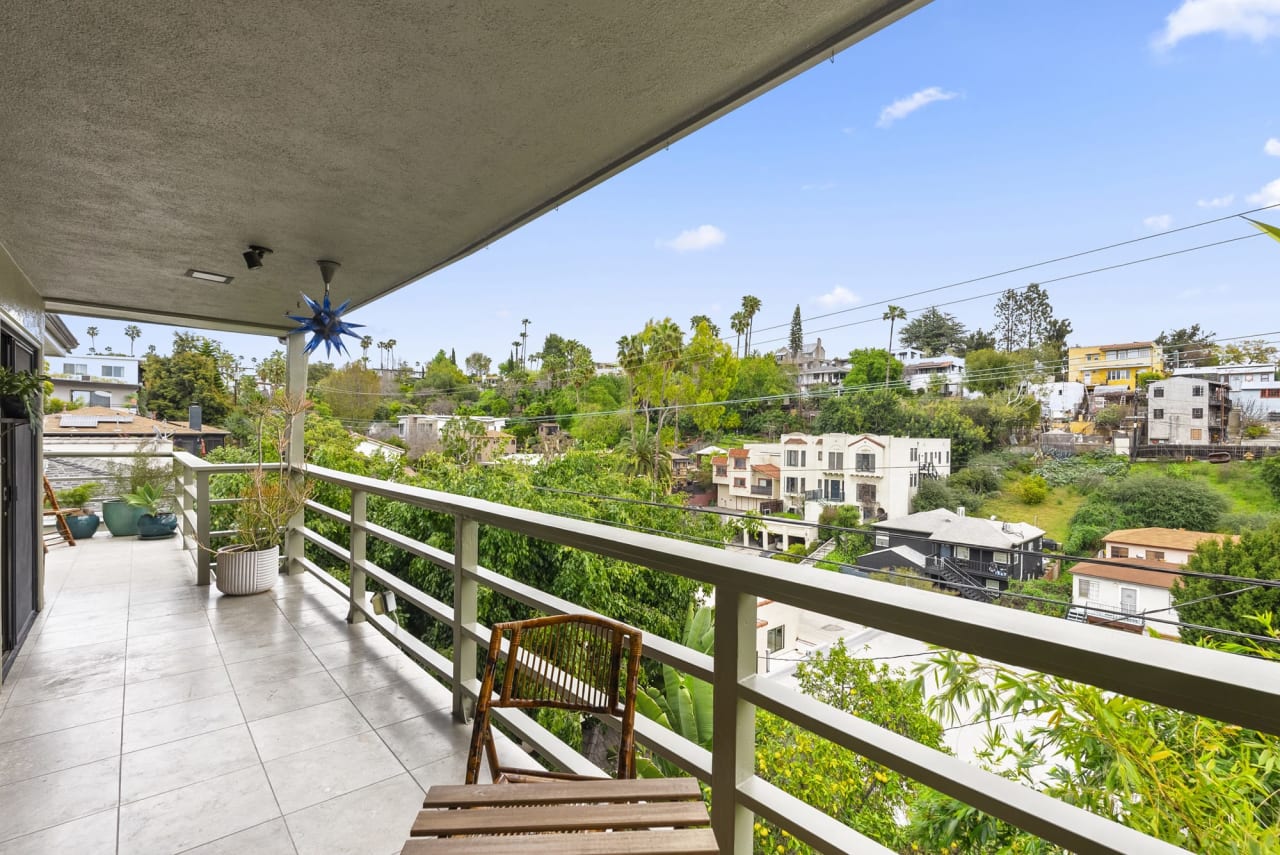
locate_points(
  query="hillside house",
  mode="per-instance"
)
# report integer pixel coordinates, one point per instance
(1253, 387)
(97, 380)
(1187, 411)
(1113, 364)
(946, 373)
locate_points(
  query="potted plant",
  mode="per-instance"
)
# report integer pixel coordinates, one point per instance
(155, 521)
(143, 469)
(267, 502)
(74, 501)
(21, 393)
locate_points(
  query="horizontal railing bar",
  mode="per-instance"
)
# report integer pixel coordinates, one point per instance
(656, 647)
(68, 451)
(339, 552)
(230, 500)
(438, 557)
(416, 597)
(320, 573)
(671, 746)
(803, 821)
(1074, 828)
(1235, 689)
(543, 741)
(326, 511)
(224, 532)
(430, 659)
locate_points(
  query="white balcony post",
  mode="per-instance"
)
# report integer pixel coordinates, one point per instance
(466, 556)
(359, 540)
(296, 389)
(187, 504)
(204, 554)
(733, 748)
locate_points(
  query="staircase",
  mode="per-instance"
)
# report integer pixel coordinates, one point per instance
(967, 586)
(820, 553)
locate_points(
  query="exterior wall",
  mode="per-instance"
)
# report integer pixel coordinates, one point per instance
(1106, 594)
(423, 432)
(1105, 365)
(920, 375)
(1137, 550)
(772, 616)
(93, 380)
(1252, 386)
(1172, 406)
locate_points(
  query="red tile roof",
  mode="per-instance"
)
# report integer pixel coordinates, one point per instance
(795, 440)
(767, 469)
(1168, 538)
(719, 461)
(739, 452)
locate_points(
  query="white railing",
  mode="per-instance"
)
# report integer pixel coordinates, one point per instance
(1236, 689)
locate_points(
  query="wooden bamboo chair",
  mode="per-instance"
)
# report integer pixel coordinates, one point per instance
(569, 662)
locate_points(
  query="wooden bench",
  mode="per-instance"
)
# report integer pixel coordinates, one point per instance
(661, 816)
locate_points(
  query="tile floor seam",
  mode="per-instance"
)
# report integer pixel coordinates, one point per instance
(55, 825)
(64, 768)
(62, 729)
(280, 818)
(373, 729)
(256, 752)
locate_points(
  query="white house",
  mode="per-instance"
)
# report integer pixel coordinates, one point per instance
(422, 432)
(1187, 410)
(1059, 400)
(97, 380)
(1136, 592)
(880, 474)
(947, 372)
(1254, 387)
(777, 633)
(370, 447)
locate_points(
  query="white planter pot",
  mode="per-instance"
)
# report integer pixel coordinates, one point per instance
(239, 570)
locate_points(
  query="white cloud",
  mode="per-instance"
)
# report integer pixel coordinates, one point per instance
(837, 296)
(1217, 202)
(692, 240)
(1251, 19)
(1158, 223)
(1269, 195)
(904, 107)
(1272, 147)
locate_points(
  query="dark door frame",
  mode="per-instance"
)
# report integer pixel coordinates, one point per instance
(20, 515)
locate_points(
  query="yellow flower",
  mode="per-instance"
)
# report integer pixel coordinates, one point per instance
(882, 777)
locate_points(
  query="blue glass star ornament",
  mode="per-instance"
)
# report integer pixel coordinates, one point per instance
(325, 324)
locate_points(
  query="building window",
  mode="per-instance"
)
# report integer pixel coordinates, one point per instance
(116, 371)
(835, 460)
(866, 494)
(948, 460)
(864, 462)
(1119, 552)
(914, 479)
(739, 482)
(882, 540)
(1001, 557)
(1155, 555)
(1087, 588)
(739, 463)
(722, 471)
(1157, 414)
(819, 455)
(775, 639)
(1197, 391)
(915, 454)
(1157, 392)
(794, 457)
(1197, 433)
(1269, 393)
(1118, 374)
(75, 368)
(790, 484)
(1128, 600)
(1197, 412)
(962, 552)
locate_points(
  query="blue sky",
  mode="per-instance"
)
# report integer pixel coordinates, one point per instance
(1023, 131)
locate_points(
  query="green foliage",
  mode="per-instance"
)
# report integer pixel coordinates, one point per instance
(351, 392)
(1031, 490)
(1154, 500)
(1256, 431)
(980, 480)
(1083, 469)
(940, 493)
(149, 497)
(1110, 416)
(26, 386)
(191, 375)
(1188, 347)
(933, 332)
(1146, 378)
(683, 704)
(1255, 556)
(1059, 589)
(884, 412)
(1194, 782)
(796, 340)
(441, 375)
(142, 470)
(795, 553)
(78, 496)
(996, 372)
(867, 368)
(1269, 474)
(856, 791)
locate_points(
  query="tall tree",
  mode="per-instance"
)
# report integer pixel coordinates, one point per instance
(870, 365)
(979, 339)
(1188, 347)
(92, 333)
(524, 343)
(703, 319)
(797, 333)
(892, 314)
(133, 332)
(707, 374)
(1252, 351)
(933, 333)
(351, 392)
(391, 352)
(738, 323)
(478, 365)
(750, 308)
(366, 342)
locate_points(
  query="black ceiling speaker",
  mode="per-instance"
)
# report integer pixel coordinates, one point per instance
(253, 256)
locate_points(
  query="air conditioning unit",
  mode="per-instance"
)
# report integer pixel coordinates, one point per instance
(85, 378)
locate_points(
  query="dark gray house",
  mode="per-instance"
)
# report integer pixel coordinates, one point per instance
(951, 547)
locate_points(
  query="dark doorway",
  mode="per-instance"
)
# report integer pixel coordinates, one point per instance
(20, 513)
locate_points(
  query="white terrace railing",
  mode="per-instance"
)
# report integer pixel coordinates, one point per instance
(1235, 689)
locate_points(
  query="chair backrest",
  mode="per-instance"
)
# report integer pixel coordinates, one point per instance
(572, 662)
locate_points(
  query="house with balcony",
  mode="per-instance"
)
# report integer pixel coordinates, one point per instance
(1188, 411)
(1113, 364)
(97, 380)
(953, 548)
(1130, 589)
(813, 369)
(425, 432)
(943, 373)
(304, 720)
(1255, 389)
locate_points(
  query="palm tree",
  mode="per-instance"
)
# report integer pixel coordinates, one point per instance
(524, 343)
(382, 357)
(891, 314)
(750, 306)
(92, 333)
(133, 332)
(391, 352)
(738, 323)
(365, 343)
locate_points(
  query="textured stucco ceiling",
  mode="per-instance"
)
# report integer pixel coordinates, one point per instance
(140, 139)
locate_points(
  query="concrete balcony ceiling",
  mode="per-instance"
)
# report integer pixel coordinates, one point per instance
(143, 139)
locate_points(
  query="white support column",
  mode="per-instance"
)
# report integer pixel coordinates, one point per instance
(733, 751)
(296, 388)
(466, 556)
(203, 527)
(359, 541)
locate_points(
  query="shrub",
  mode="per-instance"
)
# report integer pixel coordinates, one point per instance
(1031, 489)
(1085, 539)
(1155, 500)
(1269, 472)
(1239, 523)
(941, 494)
(1083, 468)
(977, 479)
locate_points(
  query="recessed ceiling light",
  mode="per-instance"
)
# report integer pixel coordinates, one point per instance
(209, 277)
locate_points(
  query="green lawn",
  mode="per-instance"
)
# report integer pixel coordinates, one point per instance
(1052, 515)
(1238, 481)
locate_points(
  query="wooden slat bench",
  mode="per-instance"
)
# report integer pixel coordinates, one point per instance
(663, 816)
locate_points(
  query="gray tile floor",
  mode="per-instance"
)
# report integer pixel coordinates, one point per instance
(147, 715)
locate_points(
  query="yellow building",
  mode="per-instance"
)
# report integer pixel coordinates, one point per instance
(1113, 364)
